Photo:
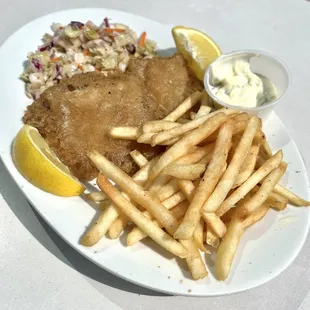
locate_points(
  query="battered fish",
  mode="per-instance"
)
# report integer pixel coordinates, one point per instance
(75, 115)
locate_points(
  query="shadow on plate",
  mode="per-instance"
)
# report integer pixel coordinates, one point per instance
(183, 266)
(210, 261)
(156, 248)
(54, 244)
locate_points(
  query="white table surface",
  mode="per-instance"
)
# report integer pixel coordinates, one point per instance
(39, 271)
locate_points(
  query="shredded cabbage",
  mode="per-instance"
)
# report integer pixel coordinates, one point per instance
(72, 32)
(79, 48)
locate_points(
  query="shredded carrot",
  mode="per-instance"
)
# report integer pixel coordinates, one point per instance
(86, 53)
(142, 39)
(61, 27)
(80, 67)
(97, 70)
(55, 59)
(111, 30)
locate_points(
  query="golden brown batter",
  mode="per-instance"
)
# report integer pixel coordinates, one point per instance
(75, 115)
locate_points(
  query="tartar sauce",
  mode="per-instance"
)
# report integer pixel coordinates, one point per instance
(234, 83)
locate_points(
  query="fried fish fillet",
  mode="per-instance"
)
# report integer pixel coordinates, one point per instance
(75, 115)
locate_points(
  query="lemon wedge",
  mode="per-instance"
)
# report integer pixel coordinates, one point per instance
(196, 47)
(40, 166)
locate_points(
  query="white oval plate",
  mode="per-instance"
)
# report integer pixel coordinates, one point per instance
(266, 249)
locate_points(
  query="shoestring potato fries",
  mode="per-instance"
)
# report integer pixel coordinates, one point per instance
(217, 177)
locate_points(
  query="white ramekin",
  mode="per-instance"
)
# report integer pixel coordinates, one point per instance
(262, 63)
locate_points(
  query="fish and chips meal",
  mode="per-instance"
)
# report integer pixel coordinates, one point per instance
(190, 176)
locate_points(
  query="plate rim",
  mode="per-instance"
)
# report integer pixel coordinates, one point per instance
(78, 247)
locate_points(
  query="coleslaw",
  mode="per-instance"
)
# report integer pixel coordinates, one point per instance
(79, 48)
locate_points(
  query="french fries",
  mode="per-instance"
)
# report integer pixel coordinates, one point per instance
(241, 117)
(136, 192)
(122, 221)
(229, 244)
(256, 216)
(267, 149)
(199, 236)
(229, 177)
(137, 234)
(168, 190)
(124, 133)
(203, 110)
(217, 177)
(247, 186)
(194, 261)
(146, 138)
(159, 182)
(183, 120)
(170, 203)
(211, 238)
(188, 188)
(186, 105)
(205, 99)
(156, 233)
(215, 223)
(96, 196)
(186, 172)
(184, 145)
(200, 154)
(174, 200)
(292, 197)
(248, 165)
(178, 131)
(98, 229)
(227, 248)
(262, 194)
(240, 125)
(138, 158)
(192, 115)
(118, 226)
(276, 201)
(208, 182)
(181, 130)
(156, 126)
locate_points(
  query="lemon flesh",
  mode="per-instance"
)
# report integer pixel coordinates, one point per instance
(41, 167)
(196, 47)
